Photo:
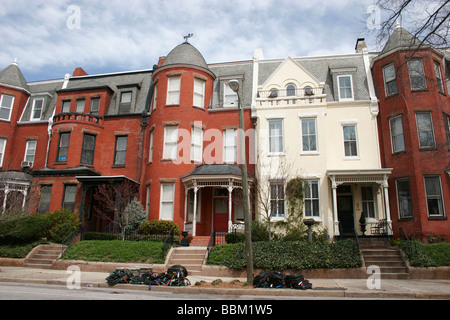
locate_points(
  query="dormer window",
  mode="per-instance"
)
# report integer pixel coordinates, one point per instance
(345, 87)
(36, 112)
(125, 102)
(230, 97)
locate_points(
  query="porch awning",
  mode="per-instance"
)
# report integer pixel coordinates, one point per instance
(378, 176)
(96, 180)
(214, 175)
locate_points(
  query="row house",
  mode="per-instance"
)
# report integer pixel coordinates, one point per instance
(367, 132)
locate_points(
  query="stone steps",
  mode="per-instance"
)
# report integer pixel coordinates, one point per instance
(189, 257)
(388, 259)
(43, 256)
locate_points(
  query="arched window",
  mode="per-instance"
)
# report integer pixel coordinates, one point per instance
(290, 90)
(308, 91)
(273, 93)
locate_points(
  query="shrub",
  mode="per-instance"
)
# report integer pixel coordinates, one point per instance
(24, 229)
(99, 236)
(234, 237)
(159, 227)
(425, 255)
(62, 223)
(260, 231)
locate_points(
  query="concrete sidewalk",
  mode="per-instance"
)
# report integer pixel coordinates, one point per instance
(340, 288)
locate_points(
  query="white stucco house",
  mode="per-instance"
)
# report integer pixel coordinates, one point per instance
(316, 119)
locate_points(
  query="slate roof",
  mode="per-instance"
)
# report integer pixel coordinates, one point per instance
(185, 53)
(12, 76)
(46, 90)
(400, 38)
(216, 170)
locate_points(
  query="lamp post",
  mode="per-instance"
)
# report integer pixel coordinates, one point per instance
(234, 85)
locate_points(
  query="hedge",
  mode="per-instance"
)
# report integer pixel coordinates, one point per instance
(284, 255)
(425, 255)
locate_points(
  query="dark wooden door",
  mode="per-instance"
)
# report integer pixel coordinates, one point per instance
(345, 214)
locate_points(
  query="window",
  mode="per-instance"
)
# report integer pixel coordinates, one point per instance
(95, 105)
(368, 203)
(277, 200)
(37, 109)
(416, 74)
(65, 106)
(155, 96)
(6, 104)
(390, 80)
(167, 201)
(199, 93)
(434, 196)
(230, 97)
(437, 70)
(290, 90)
(276, 136)
(308, 91)
(30, 150)
(230, 146)
(2, 150)
(150, 153)
(345, 88)
(350, 141)
(63, 146)
(44, 200)
(69, 197)
(125, 102)
(273, 93)
(312, 198)
(173, 91)
(191, 195)
(398, 142)
(309, 135)
(80, 106)
(120, 152)
(87, 149)
(404, 198)
(170, 142)
(447, 129)
(196, 144)
(425, 129)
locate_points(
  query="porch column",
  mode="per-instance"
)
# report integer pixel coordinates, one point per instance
(386, 205)
(335, 209)
(5, 198)
(25, 193)
(186, 194)
(194, 220)
(230, 194)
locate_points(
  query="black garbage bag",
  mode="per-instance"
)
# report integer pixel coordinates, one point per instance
(276, 279)
(293, 280)
(261, 280)
(177, 270)
(119, 276)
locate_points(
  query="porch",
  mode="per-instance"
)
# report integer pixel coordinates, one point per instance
(360, 192)
(214, 193)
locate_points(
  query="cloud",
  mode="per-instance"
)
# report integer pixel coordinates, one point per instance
(121, 35)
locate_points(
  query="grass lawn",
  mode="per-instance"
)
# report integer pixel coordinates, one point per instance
(115, 251)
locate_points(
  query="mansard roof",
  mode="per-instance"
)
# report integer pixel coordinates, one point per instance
(400, 38)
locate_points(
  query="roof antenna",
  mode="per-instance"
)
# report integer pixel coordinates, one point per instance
(186, 38)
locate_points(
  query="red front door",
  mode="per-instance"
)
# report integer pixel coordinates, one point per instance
(220, 223)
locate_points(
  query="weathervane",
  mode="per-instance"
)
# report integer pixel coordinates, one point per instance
(186, 38)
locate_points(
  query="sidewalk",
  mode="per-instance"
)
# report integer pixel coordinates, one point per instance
(340, 288)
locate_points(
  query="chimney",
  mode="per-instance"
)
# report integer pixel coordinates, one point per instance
(78, 72)
(360, 45)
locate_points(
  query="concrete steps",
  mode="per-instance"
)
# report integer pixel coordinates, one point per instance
(189, 257)
(199, 241)
(43, 256)
(388, 259)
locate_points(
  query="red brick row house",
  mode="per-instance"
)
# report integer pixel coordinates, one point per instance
(172, 132)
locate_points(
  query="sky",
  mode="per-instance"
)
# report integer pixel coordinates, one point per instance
(53, 37)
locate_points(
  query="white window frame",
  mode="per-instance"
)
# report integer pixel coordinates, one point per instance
(432, 130)
(279, 151)
(30, 151)
(173, 90)
(196, 144)
(227, 92)
(230, 135)
(6, 107)
(170, 143)
(277, 215)
(438, 197)
(199, 93)
(303, 151)
(64, 104)
(308, 184)
(437, 71)
(394, 146)
(2, 150)
(150, 152)
(352, 98)
(33, 110)
(162, 214)
(155, 97)
(356, 140)
(387, 81)
(80, 105)
(369, 202)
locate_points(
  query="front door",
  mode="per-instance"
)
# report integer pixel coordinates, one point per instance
(220, 214)
(345, 214)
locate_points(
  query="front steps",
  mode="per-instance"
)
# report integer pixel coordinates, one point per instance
(43, 256)
(189, 257)
(377, 252)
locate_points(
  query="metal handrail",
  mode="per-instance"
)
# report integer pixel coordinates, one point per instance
(211, 242)
(166, 241)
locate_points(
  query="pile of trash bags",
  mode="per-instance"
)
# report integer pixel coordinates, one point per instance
(175, 276)
(275, 279)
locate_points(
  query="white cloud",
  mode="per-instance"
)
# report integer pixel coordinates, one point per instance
(121, 35)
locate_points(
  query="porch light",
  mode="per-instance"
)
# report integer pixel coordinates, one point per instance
(234, 85)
